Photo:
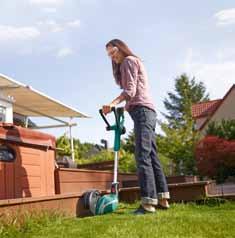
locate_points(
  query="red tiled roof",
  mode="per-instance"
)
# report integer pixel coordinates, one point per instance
(205, 108)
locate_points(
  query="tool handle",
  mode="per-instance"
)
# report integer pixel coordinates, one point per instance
(113, 109)
(104, 118)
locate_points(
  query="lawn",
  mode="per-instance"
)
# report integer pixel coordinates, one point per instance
(181, 220)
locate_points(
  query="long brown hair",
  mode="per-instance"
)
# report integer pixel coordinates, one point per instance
(125, 51)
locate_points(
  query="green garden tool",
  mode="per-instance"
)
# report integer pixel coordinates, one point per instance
(108, 203)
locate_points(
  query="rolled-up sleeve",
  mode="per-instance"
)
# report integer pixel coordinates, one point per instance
(129, 73)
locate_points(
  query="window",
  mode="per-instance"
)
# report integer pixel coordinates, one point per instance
(7, 154)
(2, 114)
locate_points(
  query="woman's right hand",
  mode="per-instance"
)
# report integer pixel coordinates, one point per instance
(106, 109)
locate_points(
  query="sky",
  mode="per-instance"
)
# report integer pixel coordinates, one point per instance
(58, 48)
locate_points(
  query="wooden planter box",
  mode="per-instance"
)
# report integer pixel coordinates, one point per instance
(31, 174)
(178, 192)
(79, 180)
(104, 165)
(170, 180)
(68, 205)
(181, 179)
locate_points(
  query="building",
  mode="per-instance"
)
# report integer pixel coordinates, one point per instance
(214, 111)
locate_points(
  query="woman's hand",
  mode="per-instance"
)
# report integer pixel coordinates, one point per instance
(107, 109)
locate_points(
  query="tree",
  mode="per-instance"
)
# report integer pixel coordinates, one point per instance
(80, 149)
(178, 105)
(129, 143)
(180, 138)
(63, 144)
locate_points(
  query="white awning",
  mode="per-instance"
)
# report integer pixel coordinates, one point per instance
(32, 103)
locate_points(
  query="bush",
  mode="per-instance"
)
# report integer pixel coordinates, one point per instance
(216, 157)
(103, 155)
(224, 129)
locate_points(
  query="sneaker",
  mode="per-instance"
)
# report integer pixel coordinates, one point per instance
(159, 206)
(149, 207)
(143, 209)
(163, 204)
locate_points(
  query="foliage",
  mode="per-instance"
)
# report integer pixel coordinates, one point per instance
(224, 129)
(179, 103)
(179, 138)
(216, 157)
(166, 163)
(129, 143)
(127, 162)
(103, 155)
(63, 144)
(178, 146)
(80, 149)
(218, 152)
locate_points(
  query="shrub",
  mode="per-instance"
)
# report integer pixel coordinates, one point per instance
(216, 157)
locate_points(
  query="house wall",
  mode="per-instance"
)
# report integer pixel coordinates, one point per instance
(225, 111)
(8, 110)
(199, 122)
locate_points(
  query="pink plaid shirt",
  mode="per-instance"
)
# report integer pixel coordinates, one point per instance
(134, 82)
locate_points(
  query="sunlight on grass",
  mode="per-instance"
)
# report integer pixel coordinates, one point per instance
(182, 220)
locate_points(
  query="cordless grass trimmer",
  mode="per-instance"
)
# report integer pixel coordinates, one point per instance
(108, 203)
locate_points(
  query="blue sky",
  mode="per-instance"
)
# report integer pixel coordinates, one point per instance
(58, 47)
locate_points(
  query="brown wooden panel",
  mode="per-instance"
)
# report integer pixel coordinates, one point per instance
(29, 158)
(69, 205)
(10, 180)
(73, 176)
(127, 177)
(67, 188)
(2, 181)
(32, 173)
(43, 172)
(21, 135)
(32, 192)
(18, 166)
(30, 182)
(30, 170)
(50, 167)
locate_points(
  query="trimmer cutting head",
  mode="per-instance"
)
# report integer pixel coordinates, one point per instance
(99, 205)
(90, 199)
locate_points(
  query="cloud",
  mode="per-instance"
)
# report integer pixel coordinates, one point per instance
(49, 10)
(64, 52)
(218, 77)
(53, 26)
(225, 17)
(226, 54)
(11, 33)
(74, 24)
(46, 2)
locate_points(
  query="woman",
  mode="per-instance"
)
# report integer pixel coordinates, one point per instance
(130, 75)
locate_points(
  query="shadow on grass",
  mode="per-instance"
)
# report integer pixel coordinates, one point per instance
(211, 202)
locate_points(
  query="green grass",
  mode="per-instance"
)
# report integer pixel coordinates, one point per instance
(182, 220)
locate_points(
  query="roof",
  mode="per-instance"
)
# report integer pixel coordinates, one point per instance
(30, 102)
(213, 108)
(204, 109)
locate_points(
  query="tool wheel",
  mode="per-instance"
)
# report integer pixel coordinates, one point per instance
(90, 197)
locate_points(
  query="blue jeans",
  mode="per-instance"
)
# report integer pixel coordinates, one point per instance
(152, 181)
